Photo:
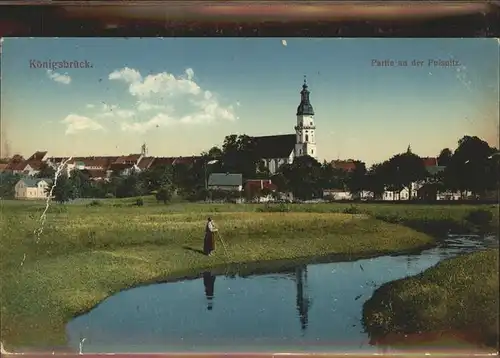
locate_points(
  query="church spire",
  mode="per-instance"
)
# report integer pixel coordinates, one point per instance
(305, 107)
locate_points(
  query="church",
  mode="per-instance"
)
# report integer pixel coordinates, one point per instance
(277, 150)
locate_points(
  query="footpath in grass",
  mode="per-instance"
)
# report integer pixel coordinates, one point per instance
(458, 295)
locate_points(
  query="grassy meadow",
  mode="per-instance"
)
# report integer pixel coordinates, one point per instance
(457, 295)
(89, 251)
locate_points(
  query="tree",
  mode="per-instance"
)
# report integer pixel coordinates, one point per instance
(280, 180)
(356, 179)
(404, 169)
(155, 178)
(164, 194)
(472, 167)
(239, 155)
(80, 181)
(130, 186)
(332, 178)
(252, 192)
(375, 180)
(303, 177)
(444, 157)
(46, 171)
(62, 189)
(213, 153)
(8, 182)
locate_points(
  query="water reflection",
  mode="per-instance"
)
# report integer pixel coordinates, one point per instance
(314, 308)
(209, 283)
(302, 299)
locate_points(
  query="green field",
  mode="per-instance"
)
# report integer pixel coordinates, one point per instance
(457, 295)
(89, 252)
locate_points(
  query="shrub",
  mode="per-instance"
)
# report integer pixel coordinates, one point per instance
(95, 203)
(280, 208)
(479, 218)
(352, 210)
(139, 202)
(164, 194)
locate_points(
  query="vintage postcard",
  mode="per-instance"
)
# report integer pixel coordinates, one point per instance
(249, 195)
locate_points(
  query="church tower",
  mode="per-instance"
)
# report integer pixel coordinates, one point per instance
(305, 143)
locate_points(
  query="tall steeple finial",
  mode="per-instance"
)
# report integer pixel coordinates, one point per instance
(408, 151)
(305, 107)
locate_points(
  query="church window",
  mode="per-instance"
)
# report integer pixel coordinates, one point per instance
(300, 151)
(307, 138)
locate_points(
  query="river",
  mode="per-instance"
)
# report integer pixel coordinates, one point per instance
(315, 307)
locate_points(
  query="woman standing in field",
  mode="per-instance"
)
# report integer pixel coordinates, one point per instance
(209, 242)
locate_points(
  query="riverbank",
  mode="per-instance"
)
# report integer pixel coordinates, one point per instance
(88, 252)
(457, 295)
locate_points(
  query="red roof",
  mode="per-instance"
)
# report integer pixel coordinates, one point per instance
(3, 166)
(38, 156)
(260, 184)
(346, 165)
(96, 174)
(186, 160)
(18, 166)
(161, 161)
(98, 162)
(131, 158)
(35, 164)
(120, 166)
(145, 163)
(15, 163)
(430, 162)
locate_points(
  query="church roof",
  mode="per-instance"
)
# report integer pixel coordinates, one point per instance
(274, 146)
(305, 107)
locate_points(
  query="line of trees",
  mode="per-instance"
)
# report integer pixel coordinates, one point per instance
(471, 167)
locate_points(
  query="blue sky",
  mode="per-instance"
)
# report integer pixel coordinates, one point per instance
(182, 96)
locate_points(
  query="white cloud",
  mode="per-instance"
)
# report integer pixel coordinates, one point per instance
(113, 110)
(146, 106)
(90, 105)
(189, 73)
(178, 100)
(60, 78)
(161, 83)
(76, 123)
(127, 75)
(160, 120)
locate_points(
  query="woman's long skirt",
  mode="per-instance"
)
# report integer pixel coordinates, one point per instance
(209, 243)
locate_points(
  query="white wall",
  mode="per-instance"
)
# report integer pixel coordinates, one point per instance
(305, 137)
(21, 191)
(273, 164)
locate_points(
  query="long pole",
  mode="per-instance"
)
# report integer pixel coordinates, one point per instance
(223, 244)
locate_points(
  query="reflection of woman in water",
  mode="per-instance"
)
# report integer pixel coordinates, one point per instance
(208, 282)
